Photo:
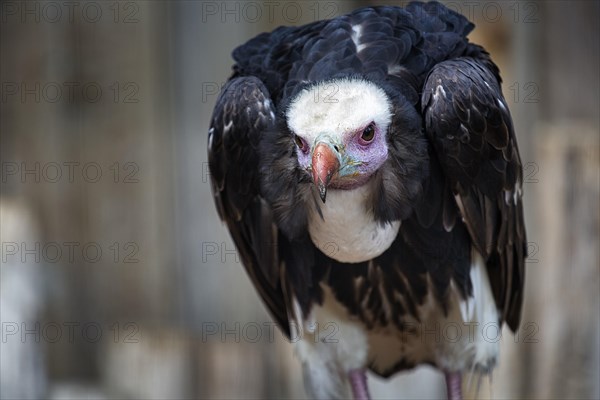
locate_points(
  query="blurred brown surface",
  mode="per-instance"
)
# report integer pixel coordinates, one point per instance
(165, 310)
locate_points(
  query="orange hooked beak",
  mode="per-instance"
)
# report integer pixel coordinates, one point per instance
(325, 164)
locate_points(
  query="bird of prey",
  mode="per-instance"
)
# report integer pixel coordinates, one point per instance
(367, 169)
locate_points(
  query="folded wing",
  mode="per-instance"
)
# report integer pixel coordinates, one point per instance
(468, 122)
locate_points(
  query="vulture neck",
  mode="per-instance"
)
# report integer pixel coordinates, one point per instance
(347, 232)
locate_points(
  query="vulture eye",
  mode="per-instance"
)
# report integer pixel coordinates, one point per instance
(369, 133)
(301, 143)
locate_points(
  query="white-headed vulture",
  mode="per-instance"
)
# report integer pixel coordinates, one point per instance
(367, 169)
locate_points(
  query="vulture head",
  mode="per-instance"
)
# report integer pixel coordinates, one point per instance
(340, 129)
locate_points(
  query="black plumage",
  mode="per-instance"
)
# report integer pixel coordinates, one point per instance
(453, 175)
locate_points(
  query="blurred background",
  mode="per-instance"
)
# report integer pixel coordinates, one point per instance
(119, 281)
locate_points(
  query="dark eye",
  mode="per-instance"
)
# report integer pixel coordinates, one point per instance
(368, 133)
(301, 143)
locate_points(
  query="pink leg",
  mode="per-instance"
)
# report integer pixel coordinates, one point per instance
(454, 385)
(358, 381)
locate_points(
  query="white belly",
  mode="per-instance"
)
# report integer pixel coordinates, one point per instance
(347, 232)
(465, 339)
(331, 342)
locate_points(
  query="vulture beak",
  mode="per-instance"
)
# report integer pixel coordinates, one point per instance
(325, 164)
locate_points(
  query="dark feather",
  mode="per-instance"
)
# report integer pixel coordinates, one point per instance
(242, 113)
(482, 164)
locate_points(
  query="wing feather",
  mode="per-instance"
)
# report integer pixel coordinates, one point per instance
(243, 113)
(469, 124)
